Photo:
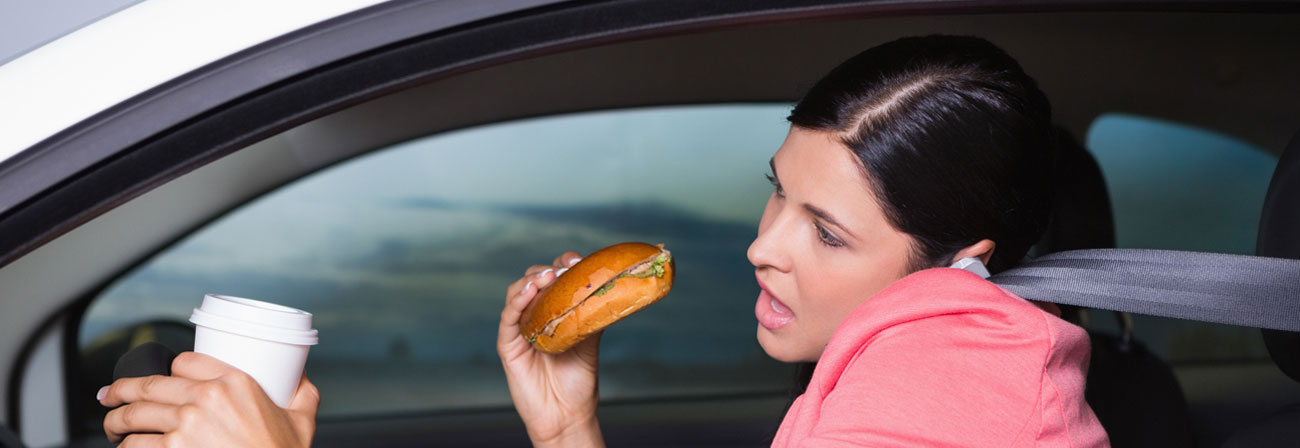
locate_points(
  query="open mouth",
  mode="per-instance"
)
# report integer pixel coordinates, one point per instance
(770, 311)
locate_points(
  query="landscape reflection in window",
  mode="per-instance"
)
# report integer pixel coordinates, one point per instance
(404, 255)
(1176, 186)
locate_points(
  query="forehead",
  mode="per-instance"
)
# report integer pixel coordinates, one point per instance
(819, 158)
(816, 169)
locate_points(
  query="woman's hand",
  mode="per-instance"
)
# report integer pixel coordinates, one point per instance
(205, 402)
(554, 394)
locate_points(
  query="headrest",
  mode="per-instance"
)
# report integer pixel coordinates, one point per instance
(1081, 214)
(1279, 236)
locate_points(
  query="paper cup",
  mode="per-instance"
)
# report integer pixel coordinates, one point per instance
(267, 341)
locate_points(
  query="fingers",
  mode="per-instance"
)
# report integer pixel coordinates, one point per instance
(510, 342)
(144, 441)
(157, 388)
(198, 366)
(225, 409)
(519, 286)
(141, 417)
(509, 328)
(520, 293)
(567, 259)
(303, 407)
(306, 399)
(541, 274)
(538, 268)
(532, 276)
(589, 349)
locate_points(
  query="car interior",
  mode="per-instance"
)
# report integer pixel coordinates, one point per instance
(1275, 240)
(1152, 381)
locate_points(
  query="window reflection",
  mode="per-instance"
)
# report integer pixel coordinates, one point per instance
(1175, 186)
(404, 255)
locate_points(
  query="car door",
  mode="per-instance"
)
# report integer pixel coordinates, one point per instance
(343, 122)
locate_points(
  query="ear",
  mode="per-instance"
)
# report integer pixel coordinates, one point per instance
(982, 250)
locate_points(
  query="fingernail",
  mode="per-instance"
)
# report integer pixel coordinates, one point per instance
(526, 286)
(561, 271)
(103, 392)
(574, 261)
(544, 271)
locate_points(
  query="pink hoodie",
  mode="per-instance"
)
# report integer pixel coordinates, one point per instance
(944, 358)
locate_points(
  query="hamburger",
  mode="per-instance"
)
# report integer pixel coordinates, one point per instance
(608, 285)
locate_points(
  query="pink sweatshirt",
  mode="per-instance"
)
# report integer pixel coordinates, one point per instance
(944, 358)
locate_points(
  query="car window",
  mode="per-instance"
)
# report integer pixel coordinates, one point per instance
(403, 256)
(1181, 187)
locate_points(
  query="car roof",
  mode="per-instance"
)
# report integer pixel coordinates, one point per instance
(125, 53)
(84, 98)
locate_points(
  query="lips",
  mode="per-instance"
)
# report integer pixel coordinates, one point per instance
(770, 311)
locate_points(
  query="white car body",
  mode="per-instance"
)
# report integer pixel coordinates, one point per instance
(136, 49)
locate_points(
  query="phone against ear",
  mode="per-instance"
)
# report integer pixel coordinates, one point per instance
(973, 265)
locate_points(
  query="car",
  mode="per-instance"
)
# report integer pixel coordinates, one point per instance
(391, 166)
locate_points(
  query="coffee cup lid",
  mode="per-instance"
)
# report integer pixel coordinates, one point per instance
(255, 319)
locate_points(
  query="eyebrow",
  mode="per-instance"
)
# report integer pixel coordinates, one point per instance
(816, 211)
(826, 216)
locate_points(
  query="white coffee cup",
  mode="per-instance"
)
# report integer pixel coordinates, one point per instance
(269, 342)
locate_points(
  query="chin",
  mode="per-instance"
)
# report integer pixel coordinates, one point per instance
(780, 350)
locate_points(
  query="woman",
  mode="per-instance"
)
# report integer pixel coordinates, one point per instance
(909, 156)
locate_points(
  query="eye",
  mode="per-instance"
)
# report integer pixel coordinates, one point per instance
(827, 237)
(776, 184)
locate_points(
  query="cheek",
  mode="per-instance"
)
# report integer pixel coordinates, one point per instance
(842, 284)
(830, 300)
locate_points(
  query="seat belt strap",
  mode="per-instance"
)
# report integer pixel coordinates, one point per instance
(1244, 290)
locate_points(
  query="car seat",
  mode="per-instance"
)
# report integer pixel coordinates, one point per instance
(1134, 393)
(1279, 237)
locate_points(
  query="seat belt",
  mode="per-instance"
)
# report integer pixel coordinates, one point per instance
(1251, 291)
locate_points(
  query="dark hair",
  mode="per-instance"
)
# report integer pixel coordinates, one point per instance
(954, 138)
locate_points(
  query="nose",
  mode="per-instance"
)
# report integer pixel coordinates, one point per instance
(769, 248)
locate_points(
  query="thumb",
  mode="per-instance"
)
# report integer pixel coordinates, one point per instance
(589, 349)
(307, 399)
(302, 411)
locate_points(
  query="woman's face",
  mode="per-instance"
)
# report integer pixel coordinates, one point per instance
(823, 247)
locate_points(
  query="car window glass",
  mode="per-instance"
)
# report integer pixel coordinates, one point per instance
(1181, 187)
(1175, 186)
(404, 255)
